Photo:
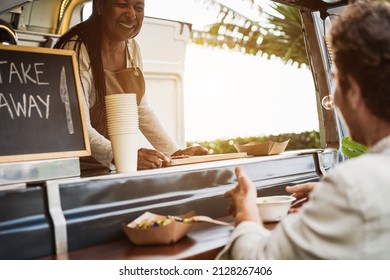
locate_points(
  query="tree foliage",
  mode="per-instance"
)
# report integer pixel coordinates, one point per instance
(298, 141)
(275, 31)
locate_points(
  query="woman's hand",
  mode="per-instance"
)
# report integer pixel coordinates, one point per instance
(150, 159)
(243, 204)
(192, 151)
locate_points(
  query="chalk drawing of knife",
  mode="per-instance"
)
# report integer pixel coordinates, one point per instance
(65, 99)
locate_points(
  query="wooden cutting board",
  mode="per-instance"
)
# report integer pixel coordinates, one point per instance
(205, 158)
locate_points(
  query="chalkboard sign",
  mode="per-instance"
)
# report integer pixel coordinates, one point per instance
(41, 112)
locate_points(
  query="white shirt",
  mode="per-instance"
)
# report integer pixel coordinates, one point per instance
(347, 217)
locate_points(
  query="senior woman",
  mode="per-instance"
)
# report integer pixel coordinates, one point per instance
(110, 62)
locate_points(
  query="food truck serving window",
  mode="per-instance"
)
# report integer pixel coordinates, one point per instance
(251, 95)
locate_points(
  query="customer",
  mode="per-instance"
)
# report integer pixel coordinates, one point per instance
(110, 62)
(348, 214)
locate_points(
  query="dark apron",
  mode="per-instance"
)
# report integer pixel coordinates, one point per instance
(129, 80)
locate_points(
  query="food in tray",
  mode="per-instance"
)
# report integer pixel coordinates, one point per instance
(148, 223)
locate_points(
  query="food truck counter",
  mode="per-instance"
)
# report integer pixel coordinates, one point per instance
(65, 215)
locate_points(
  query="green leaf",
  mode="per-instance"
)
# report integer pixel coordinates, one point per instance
(279, 35)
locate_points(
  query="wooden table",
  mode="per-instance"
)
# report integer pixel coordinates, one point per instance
(203, 242)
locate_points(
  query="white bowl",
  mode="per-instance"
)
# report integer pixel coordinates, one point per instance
(274, 208)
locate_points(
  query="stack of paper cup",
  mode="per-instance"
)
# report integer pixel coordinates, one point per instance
(122, 126)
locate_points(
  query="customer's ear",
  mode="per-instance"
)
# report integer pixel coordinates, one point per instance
(354, 93)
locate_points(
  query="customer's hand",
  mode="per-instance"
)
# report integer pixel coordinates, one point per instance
(300, 191)
(243, 204)
(150, 159)
(192, 151)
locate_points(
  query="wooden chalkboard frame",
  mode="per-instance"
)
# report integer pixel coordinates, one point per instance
(83, 145)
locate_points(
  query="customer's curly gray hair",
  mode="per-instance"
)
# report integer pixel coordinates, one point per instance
(360, 42)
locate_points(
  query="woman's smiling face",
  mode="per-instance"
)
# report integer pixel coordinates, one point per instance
(121, 19)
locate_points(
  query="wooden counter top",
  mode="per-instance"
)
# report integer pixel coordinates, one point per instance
(204, 241)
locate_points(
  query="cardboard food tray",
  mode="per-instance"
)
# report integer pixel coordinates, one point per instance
(167, 234)
(206, 158)
(263, 149)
